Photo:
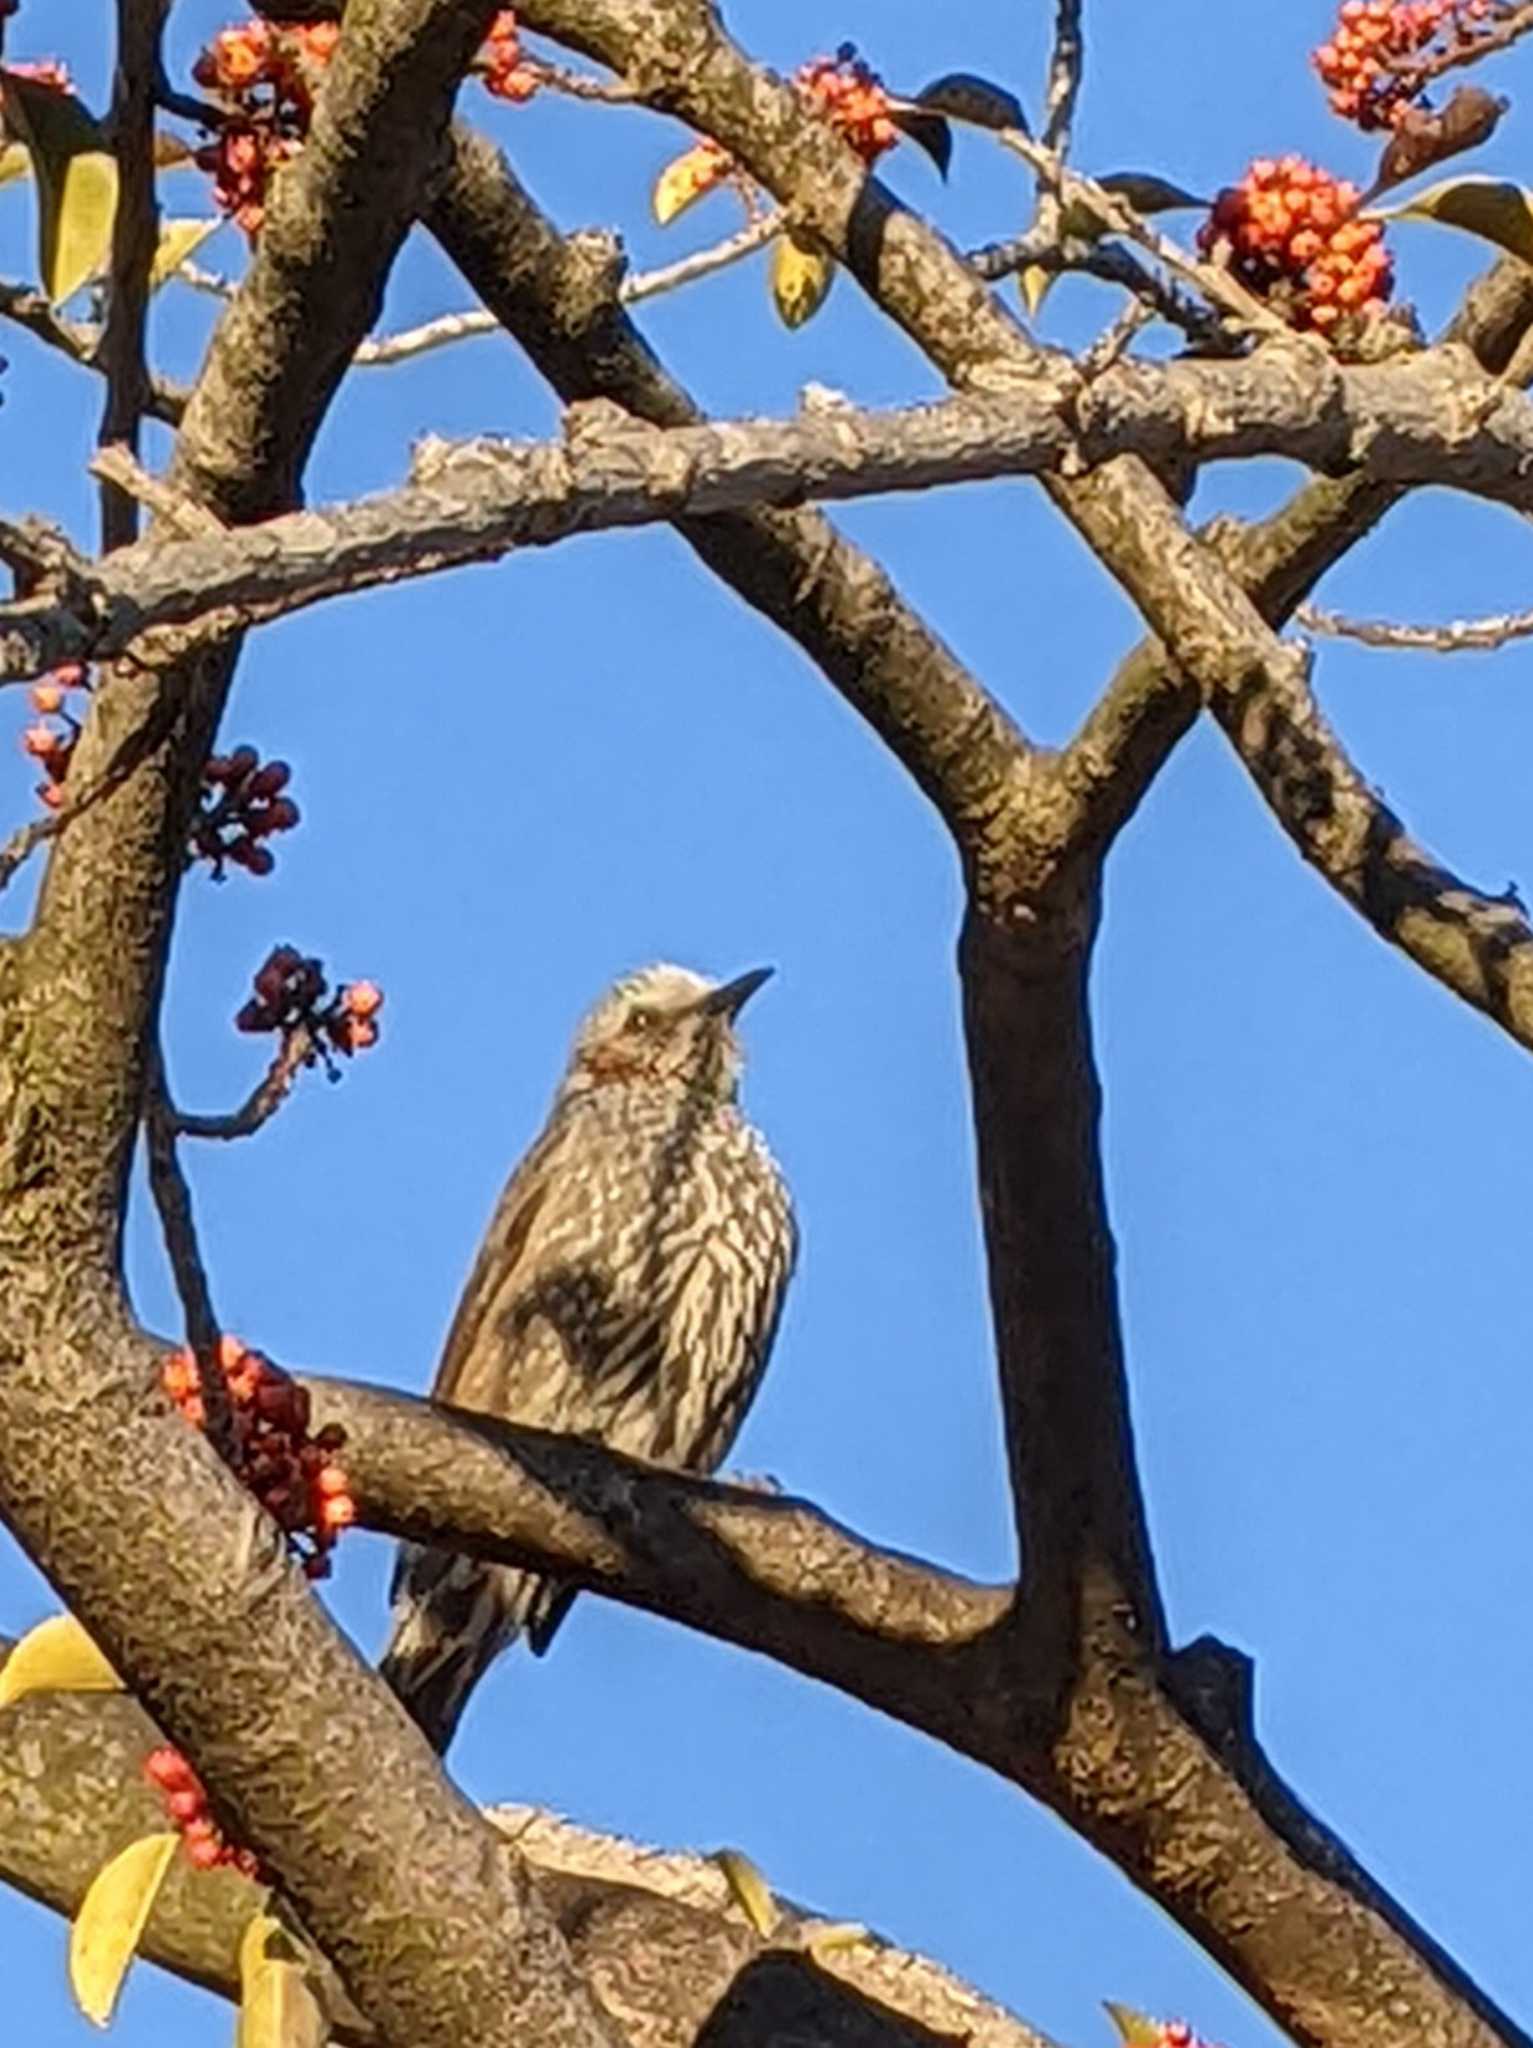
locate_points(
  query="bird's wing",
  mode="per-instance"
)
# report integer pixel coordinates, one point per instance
(545, 1332)
(755, 1294)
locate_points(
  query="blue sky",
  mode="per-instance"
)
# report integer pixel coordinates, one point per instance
(519, 783)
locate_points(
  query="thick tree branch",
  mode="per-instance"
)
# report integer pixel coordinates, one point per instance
(1434, 419)
(657, 1936)
(560, 298)
(1153, 1758)
(135, 227)
(1104, 1752)
(439, 1937)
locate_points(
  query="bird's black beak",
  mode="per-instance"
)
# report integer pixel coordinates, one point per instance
(731, 998)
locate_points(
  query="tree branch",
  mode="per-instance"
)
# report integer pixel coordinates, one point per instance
(135, 227)
(1101, 1745)
(28, 309)
(440, 1939)
(1432, 420)
(560, 298)
(656, 1935)
(1153, 1759)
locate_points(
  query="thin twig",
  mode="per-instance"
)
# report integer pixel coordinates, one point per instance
(296, 1052)
(579, 85)
(134, 235)
(1119, 218)
(649, 284)
(209, 281)
(186, 107)
(441, 332)
(27, 308)
(1459, 636)
(24, 842)
(178, 1225)
(448, 328)
(1111, 343)
(1066, 64)
(1418, 73)
(119, 467)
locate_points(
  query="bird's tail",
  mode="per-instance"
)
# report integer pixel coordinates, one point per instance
(452, 1618)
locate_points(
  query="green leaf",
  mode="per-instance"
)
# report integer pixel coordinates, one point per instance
(1492, 208)
(111, 1921)
(801, 276)
(964, 96)
(76, 181)
(1148, 194)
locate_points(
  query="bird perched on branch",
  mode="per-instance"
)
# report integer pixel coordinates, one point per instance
(628, 1289)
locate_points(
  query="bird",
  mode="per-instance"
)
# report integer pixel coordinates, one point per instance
(628, 1289)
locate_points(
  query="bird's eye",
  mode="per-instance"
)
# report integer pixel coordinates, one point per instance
(641, 1020)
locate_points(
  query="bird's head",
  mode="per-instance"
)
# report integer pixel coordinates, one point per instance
(668, 1026)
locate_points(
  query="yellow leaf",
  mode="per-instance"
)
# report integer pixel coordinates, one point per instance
(801, 276)
(750, 1890)
(1034, 283)
(835, 1937)
(1135, 2029)
(178, 240)
(171, 153)
(685, 178)
(277, 2007)
(15, 162)
(1492, 208)
(56, 1656)
(76, 182)
(111, 1920)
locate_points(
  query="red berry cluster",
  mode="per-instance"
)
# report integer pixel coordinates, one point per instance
(50, 747)
(242, 805)
(1365, 66)
(853, 96)
(186, 1802)
(290, 992)
(264, 78)
(500, 63)
(294, 1476)
(1290, 233)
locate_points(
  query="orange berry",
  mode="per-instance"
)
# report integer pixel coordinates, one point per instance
(363, 998)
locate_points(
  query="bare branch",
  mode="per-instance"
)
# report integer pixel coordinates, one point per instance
(135, 225)
(1299, 1919)
(173, 1201)
(559, 297)
(1072, 189)
(1067, 62)
(28, 308)
(669, 277)
(1427, 418)
(296, 1052)
(1459, 636)
(443, 1944)
(655, 1933)
(1485, 39)
(448, 328)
